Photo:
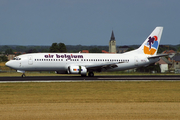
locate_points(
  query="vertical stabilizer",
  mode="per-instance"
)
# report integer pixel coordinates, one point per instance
(151, 44)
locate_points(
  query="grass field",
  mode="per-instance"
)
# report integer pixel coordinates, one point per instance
(90, 100)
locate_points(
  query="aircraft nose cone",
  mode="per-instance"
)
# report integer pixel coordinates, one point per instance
(11, 64)
(7, 64)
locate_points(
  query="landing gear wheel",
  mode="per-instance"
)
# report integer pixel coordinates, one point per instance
(91, 74)
(23, 75)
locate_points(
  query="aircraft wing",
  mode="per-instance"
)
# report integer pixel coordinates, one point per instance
(103, 66)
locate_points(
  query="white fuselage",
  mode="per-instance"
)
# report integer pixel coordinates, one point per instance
(61, 61)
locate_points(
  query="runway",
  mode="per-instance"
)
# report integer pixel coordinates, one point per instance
(96, 78)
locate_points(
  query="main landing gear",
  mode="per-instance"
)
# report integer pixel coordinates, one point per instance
(23, 75)
(91, 74)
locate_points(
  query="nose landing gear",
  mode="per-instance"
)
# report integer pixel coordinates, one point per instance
(23, 73)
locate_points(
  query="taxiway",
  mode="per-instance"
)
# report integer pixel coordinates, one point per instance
(96, 78)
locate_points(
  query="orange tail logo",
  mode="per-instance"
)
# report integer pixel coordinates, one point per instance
(151, 46)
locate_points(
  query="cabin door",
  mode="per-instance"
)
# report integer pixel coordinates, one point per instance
(136, 60)
(30, 60)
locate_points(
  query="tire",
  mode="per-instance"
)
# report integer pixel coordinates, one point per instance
(91, 74)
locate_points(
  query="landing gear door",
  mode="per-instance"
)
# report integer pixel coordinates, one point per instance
(30, 60)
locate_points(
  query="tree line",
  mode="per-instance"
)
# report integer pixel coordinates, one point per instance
(61, 47)
(55, 47)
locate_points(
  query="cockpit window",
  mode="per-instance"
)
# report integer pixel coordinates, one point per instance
(16, 58)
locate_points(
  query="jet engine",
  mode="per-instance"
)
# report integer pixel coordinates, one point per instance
(77, 70)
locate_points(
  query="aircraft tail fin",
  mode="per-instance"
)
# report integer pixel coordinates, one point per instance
(151, 44)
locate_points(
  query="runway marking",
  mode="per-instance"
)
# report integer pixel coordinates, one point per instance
(67, 81)
(142, 78)
(34, 81)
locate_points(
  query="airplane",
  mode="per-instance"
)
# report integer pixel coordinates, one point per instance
(83, 63)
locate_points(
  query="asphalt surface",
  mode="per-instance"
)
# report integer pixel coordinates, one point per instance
(95, 78)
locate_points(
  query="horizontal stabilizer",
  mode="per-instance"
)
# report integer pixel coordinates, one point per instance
(158, 55)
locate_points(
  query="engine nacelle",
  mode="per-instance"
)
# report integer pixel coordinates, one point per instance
(77, 70)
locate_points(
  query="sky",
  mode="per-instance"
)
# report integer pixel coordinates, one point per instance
(87, 22)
